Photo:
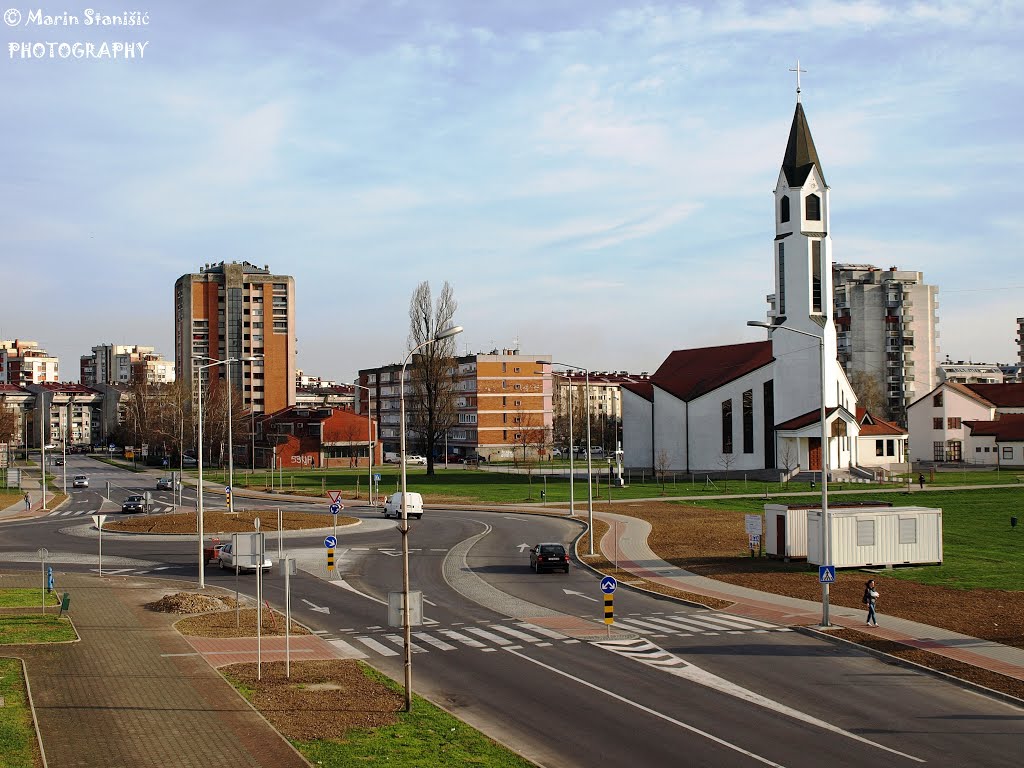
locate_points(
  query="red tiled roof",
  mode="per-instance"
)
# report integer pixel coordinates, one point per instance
(1000, 395)
(1009, 428)
(12, 388)
(871, 425)
(644, 389)
(690, 373)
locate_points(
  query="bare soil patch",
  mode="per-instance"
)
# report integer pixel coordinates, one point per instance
(214, 616)
(223, 522)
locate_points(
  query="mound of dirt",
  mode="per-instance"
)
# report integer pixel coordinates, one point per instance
(190, 602)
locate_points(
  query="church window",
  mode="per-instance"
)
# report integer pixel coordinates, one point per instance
(816, 276)
(727, 426)
(784, 209)
(748, 421)
(813, 208)
(782, 279)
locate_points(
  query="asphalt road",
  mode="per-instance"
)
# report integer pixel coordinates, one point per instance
(682, 686)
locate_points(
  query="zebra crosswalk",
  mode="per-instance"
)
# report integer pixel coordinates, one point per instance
(489, 637)
(153, 509)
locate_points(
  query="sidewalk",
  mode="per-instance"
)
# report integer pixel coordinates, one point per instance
(635, 556)
(135, 692)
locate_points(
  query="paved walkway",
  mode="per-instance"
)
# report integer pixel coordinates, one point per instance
(133, 692)
(633, 555)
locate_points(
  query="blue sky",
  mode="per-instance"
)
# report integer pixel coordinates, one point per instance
(594, 178)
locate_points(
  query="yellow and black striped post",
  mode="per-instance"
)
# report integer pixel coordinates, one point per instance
(330, 558)
(609, 610)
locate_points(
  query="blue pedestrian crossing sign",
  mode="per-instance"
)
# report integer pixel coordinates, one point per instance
(827, 574)
(608, 585)
(376, 477)
(330, 542)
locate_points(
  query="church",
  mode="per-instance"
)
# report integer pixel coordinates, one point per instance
(757, 406)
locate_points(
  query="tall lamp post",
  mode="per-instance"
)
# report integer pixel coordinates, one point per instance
(590, 485)
(444, 333)
(826, 523)
(199, 502)
(369, 443)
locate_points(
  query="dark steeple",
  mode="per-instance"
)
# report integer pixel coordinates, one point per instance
(800, 153)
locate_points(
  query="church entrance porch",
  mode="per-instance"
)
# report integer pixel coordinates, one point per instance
(814, 453)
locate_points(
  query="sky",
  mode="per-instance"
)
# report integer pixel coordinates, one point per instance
(594, 178)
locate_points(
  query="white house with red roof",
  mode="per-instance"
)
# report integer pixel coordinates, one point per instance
(881, 444)
(756, 406)
(972, 423)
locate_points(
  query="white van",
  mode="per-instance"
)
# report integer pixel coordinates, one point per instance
(392, 457)
(414, 505)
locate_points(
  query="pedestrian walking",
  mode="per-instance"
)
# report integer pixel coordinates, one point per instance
(28, 502)
(870, 596)
(920, 480)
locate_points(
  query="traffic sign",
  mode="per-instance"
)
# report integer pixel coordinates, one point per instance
(609, 609)
(227, 489)
(376, 477)
(330, 542)
(98, 520)
(335, 496)
(608, 585)
(335, 509)
(330, 559)
(827, 574)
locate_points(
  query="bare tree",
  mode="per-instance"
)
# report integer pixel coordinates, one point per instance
(788, 458)
(870, 393)
(726, 460)
(661, 464)
(8, 423)
(433, 369)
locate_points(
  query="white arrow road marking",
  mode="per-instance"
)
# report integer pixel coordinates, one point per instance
(392, 554)
(521, 547)
(314, 607)
(580, 594)
(112, 571)
(345, 585)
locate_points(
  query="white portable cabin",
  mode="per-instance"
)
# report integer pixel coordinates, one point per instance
(785, 527)
(878, 536)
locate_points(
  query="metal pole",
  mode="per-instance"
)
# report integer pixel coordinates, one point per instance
(199, 502)
(406, 624)
(572, 450)
(590, 484)
(64, 444)
(42, 458)
(99, 561)
(825, 521)
(287, 618)
(231, 450)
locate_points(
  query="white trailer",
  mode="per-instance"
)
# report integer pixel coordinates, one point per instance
(785, 530)
(878, 536)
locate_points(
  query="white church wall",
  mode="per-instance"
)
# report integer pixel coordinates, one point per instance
(706, 426)
(637, 435)
(669, 429)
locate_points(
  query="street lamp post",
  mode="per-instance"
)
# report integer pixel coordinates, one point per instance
(369, 443)
(199, 494)
(445, 333)
(826, 523)
(590, 484)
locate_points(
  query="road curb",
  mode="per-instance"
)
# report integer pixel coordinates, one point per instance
(907, 664)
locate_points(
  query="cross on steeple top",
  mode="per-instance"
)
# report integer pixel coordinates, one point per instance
(798, 71)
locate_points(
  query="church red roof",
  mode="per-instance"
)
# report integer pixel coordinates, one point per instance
(642, 388)
(1008, 428)
(1000, 395)
(811, 417)
(690, 373)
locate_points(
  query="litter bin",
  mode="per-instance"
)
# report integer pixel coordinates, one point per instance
(1013, 522)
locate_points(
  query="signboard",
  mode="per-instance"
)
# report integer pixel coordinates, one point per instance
(330, 542)
(13, 478)
(395, 613)
(247, 549)
(752, 525)
(608, 585)
(98, 520)
(376, 477)
(336, 508)
(827, 574)
(334, 496)
(609, 609)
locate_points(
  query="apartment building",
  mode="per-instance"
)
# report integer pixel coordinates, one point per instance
(124, 364)
(502, 405)
(968, 373)
(64, 412)
(233, 311)
(24, 362)
(1020, 340)
(604, 405)
(886, 329)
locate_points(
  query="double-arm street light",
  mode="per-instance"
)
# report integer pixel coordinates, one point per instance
(444, 333)
(826, 523)
(572, 449)
(199, 502)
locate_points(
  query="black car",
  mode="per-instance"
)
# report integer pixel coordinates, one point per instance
(549, 557)
(58, 462)
(134, 504)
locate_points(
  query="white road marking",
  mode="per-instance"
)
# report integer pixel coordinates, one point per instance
(347, 650)
(400, 642)
(380, 648)
(515, 633)
(488, 636)
(458, 637)
(727, 623)
(543, 631)
(434, 641)
(752, 622)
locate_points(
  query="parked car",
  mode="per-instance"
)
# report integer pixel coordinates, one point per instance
(167, 484)
(188, 461)
(413, 458)
(596, 450)
(226, 559)
(549, 556)
(134, 503)
(391, 457)
(414, 505)
(80, 481)
(472, 461)
(451, 458)
(557, 452)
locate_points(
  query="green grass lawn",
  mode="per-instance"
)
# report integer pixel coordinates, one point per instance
(35, 628)
(980, 548)
(26, 598)
(17, 736)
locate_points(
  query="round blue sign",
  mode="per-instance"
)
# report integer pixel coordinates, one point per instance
(335, 509)
(608, 585)
(330, 542)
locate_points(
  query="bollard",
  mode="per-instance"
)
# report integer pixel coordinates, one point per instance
(1013, 522)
